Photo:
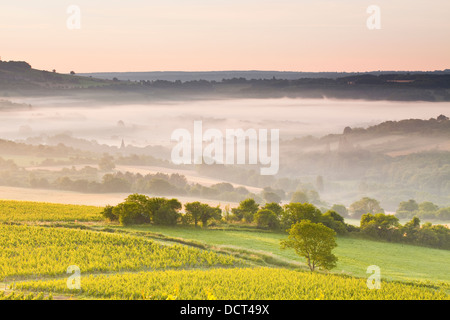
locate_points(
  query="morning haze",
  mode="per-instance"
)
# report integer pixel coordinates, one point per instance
(224, 150)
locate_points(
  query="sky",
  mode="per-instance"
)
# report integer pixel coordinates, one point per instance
(214, 35)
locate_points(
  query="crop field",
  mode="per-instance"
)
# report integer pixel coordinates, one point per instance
(22, 296)
(233, 284)
(16, 211)
(38, 251)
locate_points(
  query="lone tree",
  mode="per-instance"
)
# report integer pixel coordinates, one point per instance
(313, 241)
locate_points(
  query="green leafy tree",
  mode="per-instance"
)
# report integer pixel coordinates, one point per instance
(334, 221)
(381, 226)
(134, 210)
(334, 215)
(411, 229)
(246, 210)
(436, 235)
(107, 213)
(427, 236)
(274, 207)
(166, 212)
(144, 204)
(315, 242)
(202, 212)
(128, 213)
(265, 218)
(296, 212)
(193, 211)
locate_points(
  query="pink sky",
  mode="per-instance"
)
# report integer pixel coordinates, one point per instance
(203, 35)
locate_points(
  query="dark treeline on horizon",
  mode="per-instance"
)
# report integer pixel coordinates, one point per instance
(397, 86)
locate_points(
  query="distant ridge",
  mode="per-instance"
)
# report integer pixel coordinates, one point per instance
(19, 78)
(249, 75)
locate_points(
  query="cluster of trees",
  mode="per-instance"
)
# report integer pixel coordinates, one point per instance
(423, 175)
(162, 184)
(14, 65)
(141, 209)
(138, 209)
(439, 125)
(23, 149)
(9, 173)
(274, 216)
(425, 210)
(387, 227)
(367, 86)
(406, 209)
(249, 176)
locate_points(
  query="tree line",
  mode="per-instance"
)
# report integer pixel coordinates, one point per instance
(141, 209)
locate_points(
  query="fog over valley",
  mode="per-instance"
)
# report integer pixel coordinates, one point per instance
(355, 147)
(153, 123)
